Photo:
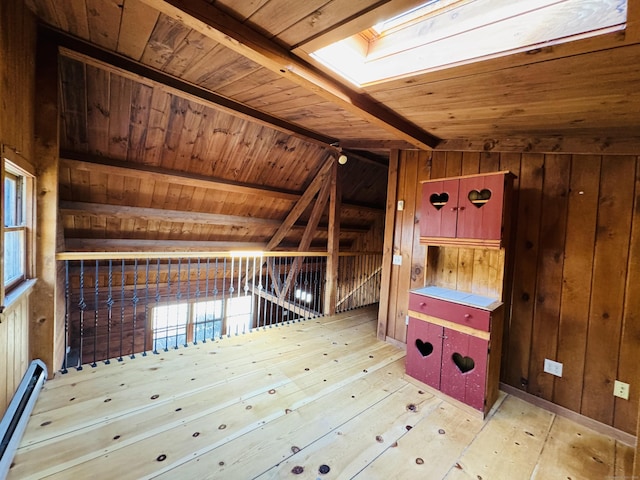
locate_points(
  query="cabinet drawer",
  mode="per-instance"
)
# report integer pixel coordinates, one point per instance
(453, 312)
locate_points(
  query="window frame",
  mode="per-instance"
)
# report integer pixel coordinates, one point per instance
(14, 165)
(191, 314)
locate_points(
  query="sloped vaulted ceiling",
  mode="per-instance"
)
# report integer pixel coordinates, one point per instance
(225, 91)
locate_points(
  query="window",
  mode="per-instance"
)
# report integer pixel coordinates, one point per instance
(180, 323)
(17, 186)
(442, 33)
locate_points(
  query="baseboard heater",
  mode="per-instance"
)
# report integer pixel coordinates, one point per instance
(17, 415)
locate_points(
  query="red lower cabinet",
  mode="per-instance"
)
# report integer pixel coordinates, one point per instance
(424, 352)
(455, 347)
(464, 367)
(450, 361)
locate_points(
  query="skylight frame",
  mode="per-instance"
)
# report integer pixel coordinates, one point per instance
(361, 60)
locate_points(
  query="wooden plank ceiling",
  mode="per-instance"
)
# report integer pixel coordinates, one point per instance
(222, 93)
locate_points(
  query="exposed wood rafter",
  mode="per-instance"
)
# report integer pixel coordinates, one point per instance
(302, 204)
(221, 27)
(307, 236)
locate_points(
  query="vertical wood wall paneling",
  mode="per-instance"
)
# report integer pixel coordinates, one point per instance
(546, 316)
(626, 411)
(98, 106)
(419, 251)
(470, 166)
(509, 162)
(46, 329)
(14, 344)
(575, 243)
(17, 111)
(453, 168)
(407, 193)
(577, 272)
(525, 247)
(607, 297)
(435, 255)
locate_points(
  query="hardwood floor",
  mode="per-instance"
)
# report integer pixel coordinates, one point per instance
(318, 396)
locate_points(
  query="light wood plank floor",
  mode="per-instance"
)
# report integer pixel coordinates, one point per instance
(293, 402)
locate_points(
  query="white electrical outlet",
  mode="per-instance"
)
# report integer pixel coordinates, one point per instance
(554, 368)
(621, 389)
(397, 260)
(400, 205)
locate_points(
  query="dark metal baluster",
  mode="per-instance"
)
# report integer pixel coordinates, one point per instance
(166, 328)
(178, 298)
(110, 303)
(215, 296)
(67, 304)
(196, 305)
(157, 299)
(134, 301)
(233, 289)
(246, 287)
(146, 307)
(122, 285)
(82, 305)
(224, 301)
(189, 306)
(96, 283)
(257, 289)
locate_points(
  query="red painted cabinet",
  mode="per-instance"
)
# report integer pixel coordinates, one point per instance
(449, 345)
(465, 210)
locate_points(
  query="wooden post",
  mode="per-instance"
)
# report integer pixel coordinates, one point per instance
(387, 256)
(632, 34)
(333, 243)
(46, 330)
(636, 462)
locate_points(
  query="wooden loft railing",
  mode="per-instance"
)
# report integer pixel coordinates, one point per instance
(135, 303)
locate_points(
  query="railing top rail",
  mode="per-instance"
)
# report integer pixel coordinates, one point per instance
(202, 254)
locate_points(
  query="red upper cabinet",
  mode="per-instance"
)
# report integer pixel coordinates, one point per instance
(439, 215)
(466, 211)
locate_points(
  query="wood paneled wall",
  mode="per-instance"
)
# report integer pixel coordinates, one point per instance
(14, 349)
(17, 77)
(575, 292)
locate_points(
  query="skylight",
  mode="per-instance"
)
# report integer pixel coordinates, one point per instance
(444, 33)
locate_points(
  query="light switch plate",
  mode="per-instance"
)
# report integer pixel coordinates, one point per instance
(397, 259)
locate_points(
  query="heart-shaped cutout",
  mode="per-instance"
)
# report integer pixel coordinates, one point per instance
(464, 364)
(425, 348)
(479, 198)
(439, 200)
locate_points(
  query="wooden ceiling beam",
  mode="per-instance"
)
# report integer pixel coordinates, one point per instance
(545, 144)
(140, 245)
(221, 27)
(162, 215)
(89, 54)
(181, 216)
(95, 163)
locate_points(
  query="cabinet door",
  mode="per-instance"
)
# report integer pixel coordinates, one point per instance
(480, 207)
(438, 214)
(464, 367)
(424, 352)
